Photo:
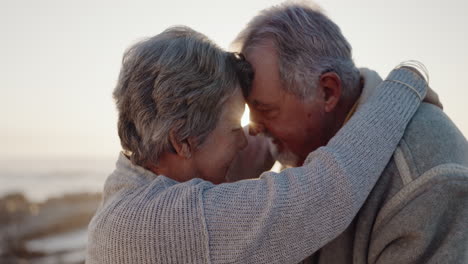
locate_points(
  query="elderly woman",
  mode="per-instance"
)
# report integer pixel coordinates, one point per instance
(179, 101)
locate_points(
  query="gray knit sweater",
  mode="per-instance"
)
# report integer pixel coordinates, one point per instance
(279, 218)
(418, 211)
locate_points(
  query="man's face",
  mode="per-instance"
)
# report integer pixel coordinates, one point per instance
(297, 126)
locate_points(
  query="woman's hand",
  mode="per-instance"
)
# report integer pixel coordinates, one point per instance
(419, 70)
(431, 96)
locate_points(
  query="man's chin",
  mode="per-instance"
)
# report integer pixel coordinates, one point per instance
(283, 155)
(288, 159)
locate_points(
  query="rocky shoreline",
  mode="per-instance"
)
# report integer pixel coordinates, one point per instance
(53, 231)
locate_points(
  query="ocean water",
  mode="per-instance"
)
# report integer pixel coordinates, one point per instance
(41, 178)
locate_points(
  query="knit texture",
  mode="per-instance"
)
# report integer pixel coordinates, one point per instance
(279, 218)
(418, 210)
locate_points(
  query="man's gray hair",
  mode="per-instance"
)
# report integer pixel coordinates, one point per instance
(175, 81)
(307, 44)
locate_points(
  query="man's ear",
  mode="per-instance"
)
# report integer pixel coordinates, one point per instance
(330, 84)
(182, 148)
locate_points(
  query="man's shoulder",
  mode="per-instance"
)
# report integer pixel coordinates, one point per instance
(427, 176)
(431, 139)
(432, 155)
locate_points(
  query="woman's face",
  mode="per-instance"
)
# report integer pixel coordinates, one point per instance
(214, 156)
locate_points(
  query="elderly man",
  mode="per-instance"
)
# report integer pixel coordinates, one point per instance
(305, 89)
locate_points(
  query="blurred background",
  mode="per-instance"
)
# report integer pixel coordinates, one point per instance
(59, 62)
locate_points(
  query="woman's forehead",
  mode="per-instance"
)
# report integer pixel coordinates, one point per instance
(234, 106)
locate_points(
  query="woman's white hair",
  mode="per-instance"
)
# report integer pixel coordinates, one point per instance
(175, 81)
(307, 44)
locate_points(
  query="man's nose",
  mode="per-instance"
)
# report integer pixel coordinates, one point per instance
(256, 128)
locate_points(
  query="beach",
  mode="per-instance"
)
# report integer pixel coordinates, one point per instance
(45, 207)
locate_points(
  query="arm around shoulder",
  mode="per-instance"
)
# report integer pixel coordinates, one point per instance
(285, 217)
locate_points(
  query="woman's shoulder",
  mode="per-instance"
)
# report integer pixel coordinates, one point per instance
(162, 212)
(151, 208)
(141, 200)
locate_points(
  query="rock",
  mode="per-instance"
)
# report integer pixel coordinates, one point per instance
(22, 220)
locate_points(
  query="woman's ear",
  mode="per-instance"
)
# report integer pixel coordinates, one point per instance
(330, 83)
(182, 148)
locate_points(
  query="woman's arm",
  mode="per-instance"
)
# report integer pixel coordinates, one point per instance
(285, 217)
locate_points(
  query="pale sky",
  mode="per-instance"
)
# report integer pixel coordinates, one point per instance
(60, 59)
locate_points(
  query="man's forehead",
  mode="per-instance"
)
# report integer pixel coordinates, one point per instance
(266, 85)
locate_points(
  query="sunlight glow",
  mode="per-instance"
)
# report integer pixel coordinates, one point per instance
(245, 117)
